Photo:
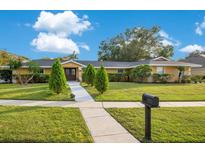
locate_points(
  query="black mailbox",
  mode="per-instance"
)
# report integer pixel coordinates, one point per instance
(150, 100)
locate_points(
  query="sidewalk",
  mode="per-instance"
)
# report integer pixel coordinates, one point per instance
(97, 104)
(103, 127)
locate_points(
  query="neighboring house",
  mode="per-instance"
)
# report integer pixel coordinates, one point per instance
(197, 59)
(74, 68)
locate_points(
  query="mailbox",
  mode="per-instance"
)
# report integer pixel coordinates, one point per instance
(150, 100)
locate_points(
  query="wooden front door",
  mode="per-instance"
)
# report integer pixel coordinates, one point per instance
(70, 74)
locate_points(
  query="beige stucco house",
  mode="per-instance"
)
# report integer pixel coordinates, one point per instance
(74, 68)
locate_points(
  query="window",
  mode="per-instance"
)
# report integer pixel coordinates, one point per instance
(160, 70)
(41, 70)
(120, 70)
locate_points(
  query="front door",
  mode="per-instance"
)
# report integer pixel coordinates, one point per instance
(70, 73)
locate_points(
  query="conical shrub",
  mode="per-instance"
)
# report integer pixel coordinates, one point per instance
(101, 80)
(57, 80)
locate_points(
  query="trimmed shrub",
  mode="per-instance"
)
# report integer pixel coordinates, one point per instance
(37, 78)
(40, 78)
(89, 75)
(141, 73)
(118, 77)
(197, 78)
(186, 79)
(72, 96)
(101, 80)
(156, 77)
(163, 78)
(57, 80)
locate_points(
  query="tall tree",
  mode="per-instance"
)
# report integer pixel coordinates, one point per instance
(195, 53)
(134, 44)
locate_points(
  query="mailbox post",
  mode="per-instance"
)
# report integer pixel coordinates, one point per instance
(149, 101)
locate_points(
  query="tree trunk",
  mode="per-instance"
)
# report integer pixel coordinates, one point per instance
(19, 77)
(27, 81)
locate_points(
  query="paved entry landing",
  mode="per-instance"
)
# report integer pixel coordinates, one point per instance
(81, 95)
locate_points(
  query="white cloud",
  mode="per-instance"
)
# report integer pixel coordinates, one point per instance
(163, 34)
(167, 40)
(55, 32)
(200, 27)
(84, 46)
(54, 43)
(65, 23)
(191, 48)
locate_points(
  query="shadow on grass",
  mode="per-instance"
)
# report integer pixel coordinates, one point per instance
(22, 91)
(20, 109)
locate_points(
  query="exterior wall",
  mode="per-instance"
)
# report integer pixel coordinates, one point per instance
(173, 71)
(112, 70)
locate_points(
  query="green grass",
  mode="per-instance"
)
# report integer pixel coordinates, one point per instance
(31, 92)
(168, 124)
(42, 124)
(128, 91)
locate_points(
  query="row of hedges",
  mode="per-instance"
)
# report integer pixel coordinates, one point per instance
(118, 77)
(162, 78)
(157, 78)
(38, 78)
(193, 79)
(125, 78)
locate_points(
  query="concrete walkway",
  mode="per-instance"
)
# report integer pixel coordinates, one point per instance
(103, 127)
(97, 104)
(81, 95)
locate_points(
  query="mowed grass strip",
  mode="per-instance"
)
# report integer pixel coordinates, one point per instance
(42, 124)
(31, 92)
(168, 124)
(129, 91)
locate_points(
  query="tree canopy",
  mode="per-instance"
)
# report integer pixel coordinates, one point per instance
(141, 73)
(195, 53)
(135, 44)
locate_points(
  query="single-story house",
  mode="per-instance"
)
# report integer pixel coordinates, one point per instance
(74, 68)
(197, 59)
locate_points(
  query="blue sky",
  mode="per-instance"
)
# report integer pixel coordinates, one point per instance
(86, 29)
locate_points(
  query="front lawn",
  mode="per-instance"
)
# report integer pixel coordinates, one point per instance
(42, 124)
(31, 92)
(168, 124)
(128, 91)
